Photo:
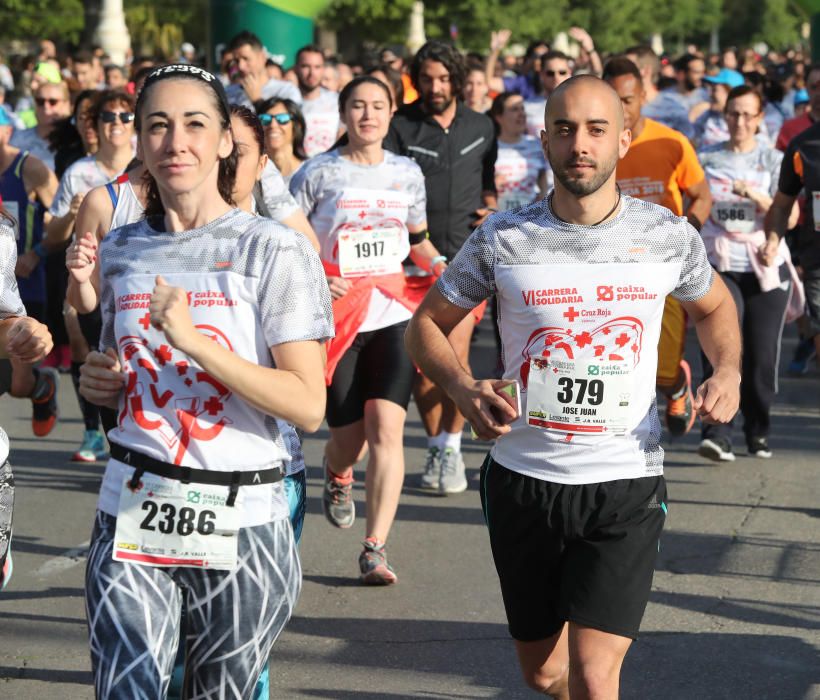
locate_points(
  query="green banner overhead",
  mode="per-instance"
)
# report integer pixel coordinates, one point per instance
(282, 25)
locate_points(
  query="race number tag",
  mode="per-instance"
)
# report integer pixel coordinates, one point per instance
(375, 251)
(167, 523)
(576, 396)
(815, 209)
(513, 201)
(735, 217)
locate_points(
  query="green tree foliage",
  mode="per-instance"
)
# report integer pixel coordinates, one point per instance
(614, 24)
(159, 27)
(37, 19)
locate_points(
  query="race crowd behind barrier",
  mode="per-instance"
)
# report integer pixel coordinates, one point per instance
(192, 248)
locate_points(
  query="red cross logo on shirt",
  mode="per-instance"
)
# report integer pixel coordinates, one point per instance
(213, 405)
(145, 321)
(362, 214)
(571, 314)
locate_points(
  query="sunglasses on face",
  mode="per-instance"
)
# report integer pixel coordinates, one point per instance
(281, 119)
(110, 117)
(50, 101)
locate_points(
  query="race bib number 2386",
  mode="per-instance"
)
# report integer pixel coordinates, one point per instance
(165, 522)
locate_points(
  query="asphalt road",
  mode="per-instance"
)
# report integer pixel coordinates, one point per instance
(734, 612)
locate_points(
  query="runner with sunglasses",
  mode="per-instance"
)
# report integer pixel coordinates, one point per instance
(113, 116)
(51, 104)
(215, 317)
(284, 134)
(555, 69)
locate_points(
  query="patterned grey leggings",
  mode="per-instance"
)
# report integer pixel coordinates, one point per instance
(233, 617)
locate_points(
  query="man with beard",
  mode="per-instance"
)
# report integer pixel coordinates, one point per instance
(689, 72)
(456, 149)
(662, 167)
(319, 105)
(573, 490)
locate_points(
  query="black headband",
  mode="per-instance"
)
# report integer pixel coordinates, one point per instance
(179, 70)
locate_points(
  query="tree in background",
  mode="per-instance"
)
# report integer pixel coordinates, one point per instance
(38, 19)
(613, 24)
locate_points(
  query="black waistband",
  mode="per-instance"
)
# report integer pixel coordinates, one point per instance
(143, 463)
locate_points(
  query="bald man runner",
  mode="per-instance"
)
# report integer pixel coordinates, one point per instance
(573, 491)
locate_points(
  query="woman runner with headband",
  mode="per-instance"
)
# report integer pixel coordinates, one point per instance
(369, 209)
(212, 319)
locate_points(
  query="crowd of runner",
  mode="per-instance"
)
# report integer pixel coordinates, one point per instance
(195, 248)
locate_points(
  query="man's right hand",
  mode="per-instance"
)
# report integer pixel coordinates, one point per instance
(478, 401)
(252, 87)
(101, 378)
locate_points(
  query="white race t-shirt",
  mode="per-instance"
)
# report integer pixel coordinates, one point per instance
(347, 202)
(321, 122)
(251, 284)
(563, 297)
(760, 170)
(517, 169)
(79, 178)
(535, 109)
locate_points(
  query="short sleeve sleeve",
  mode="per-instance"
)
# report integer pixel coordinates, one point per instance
(791, 171)
(64, 195)
(273, 198)
(775, 162)
(417, 213)
(294, 299)
(470, 278)
(10, 303)
(302, 189)
(689, 172)
(696, 274)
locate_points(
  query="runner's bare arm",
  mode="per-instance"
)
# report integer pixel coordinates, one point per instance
(427, 343)
(94, 217)
(299, 368)
(422, 254)
(498, 40)
(700, 205)
(777, 223)
(39, 181)
(715, 317)
(299, 222)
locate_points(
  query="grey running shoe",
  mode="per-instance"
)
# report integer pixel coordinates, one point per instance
(718, 450)
(375, 571)
(452, 473)
(432, 470)
(337, 500)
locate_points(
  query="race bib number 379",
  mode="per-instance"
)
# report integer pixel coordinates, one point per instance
(576, 396)
(167, 523)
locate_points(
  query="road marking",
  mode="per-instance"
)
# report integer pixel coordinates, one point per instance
(67, 560)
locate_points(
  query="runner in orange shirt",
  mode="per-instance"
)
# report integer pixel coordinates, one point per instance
(661, 167)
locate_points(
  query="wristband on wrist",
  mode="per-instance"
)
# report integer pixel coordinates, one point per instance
(436, 260)
(416, 238)
(40, 250)
(694, 221)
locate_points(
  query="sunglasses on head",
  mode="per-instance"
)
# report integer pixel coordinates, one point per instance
(51, 101)
(281, 119)
(110, 117)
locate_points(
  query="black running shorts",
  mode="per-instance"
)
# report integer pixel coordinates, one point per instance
(584, 553)
(376, 366)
